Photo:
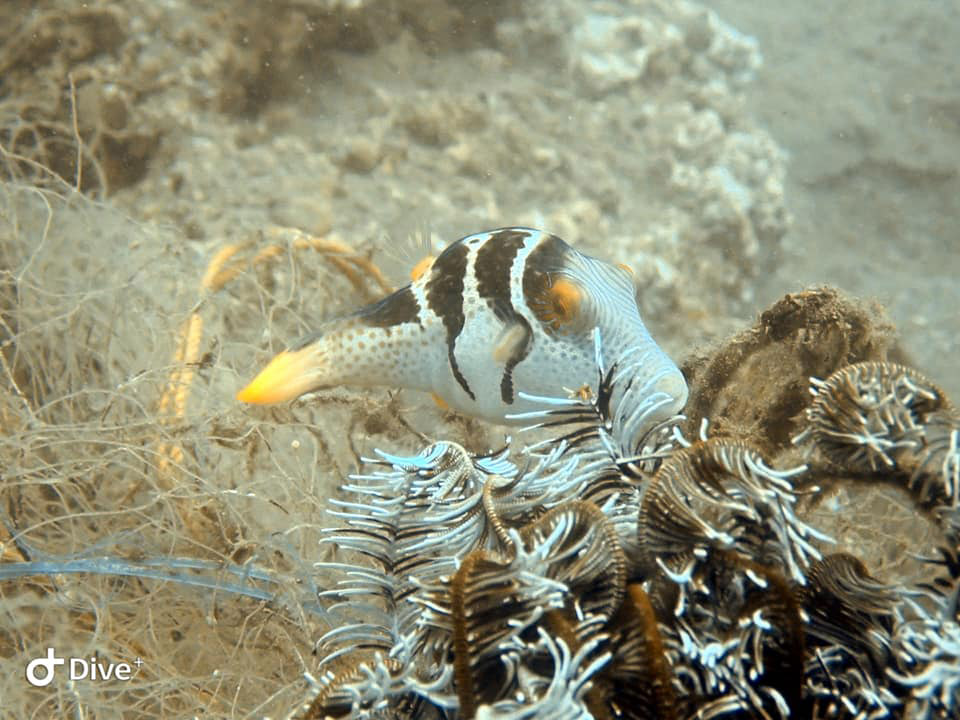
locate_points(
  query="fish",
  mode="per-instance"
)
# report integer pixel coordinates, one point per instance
(493, 325)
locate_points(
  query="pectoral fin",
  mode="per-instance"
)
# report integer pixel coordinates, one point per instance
(510, 342)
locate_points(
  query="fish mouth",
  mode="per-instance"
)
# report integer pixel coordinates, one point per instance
(289, 375)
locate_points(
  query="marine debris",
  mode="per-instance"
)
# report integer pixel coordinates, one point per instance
(602, 566)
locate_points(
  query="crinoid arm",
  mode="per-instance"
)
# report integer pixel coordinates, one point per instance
(616, 569)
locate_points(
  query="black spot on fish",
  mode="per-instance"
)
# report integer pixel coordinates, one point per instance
(395, 309)
(444, 292)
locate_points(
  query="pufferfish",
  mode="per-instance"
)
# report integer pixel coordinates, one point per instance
(496, 320)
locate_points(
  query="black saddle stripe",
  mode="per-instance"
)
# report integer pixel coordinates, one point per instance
(444, 291)
(492, 270)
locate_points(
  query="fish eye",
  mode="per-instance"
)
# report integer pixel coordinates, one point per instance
(560, 305)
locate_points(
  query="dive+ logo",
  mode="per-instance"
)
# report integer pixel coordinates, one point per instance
(40, 671)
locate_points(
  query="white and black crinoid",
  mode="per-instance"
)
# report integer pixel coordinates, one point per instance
(619, 570)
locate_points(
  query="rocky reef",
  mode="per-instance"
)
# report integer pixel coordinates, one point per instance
(620, 126)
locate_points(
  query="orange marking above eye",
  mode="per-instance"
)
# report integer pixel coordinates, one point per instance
(421, 267)
(624, 266)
